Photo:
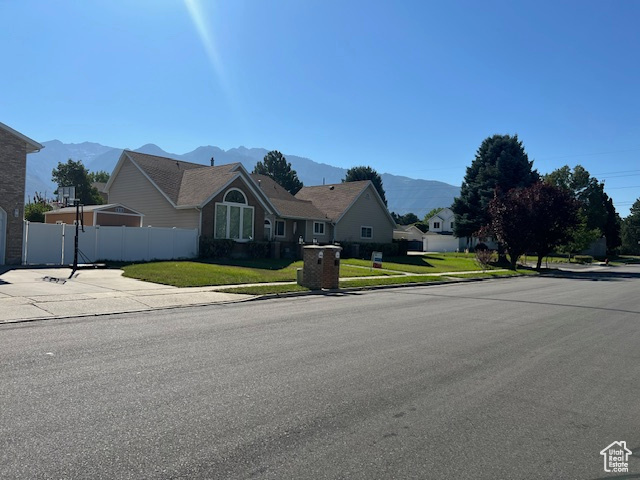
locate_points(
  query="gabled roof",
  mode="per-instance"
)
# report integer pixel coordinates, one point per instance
(408, 228)
(335, 200)
(32, 145)
(91, 208)
(441, 214)
(287, 205)
(186, 184)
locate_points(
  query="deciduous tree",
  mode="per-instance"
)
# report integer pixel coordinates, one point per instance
(75, 174)
(536, 218)
(597, 211)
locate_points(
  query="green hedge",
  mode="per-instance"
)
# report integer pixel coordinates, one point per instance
(258, 249)
(215, 248)
(365, 249)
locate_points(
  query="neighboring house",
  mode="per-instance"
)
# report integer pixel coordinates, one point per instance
(412, 234)
(443, 221)
(354, 210)
(14, 148)
(440, 237)
(408, 232)
(111, 215)
(100, 187)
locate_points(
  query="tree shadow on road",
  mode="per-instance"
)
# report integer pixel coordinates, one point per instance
(603, 276)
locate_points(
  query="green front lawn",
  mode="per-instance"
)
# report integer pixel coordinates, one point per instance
(234, 272)
(431, 263)
(227, 272)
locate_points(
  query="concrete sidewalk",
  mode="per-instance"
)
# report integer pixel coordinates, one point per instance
(42, 293)
(38, 293)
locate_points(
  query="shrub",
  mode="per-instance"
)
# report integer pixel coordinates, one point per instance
(366, 249)
(215, 248)
(484, 257)
(258, 249)
(403, 247)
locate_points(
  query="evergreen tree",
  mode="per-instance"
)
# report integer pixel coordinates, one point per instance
(366, 173)
(275, 165)
(631, 230)
(500, 163)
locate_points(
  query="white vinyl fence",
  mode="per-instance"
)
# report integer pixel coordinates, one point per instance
(53, 244)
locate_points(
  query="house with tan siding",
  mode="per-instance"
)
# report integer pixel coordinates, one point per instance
(226, 201)
(220, 201)
(354, 210)
(14, 147)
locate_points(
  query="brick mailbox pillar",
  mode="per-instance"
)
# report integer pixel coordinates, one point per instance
(331, 267)
(321, 266)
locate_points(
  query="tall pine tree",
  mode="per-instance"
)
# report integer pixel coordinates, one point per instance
(500, 163)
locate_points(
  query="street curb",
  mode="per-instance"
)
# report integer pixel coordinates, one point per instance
(333, 292)
(271, 296)
(126, 312)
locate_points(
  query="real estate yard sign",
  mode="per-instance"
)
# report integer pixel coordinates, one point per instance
(376, 259)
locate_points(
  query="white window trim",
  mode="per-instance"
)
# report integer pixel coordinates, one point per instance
(234, 189)
(228, 225)
(284, 230)
(436, 224)
(324, 229)
(366, 238)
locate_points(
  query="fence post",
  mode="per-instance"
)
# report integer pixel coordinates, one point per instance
(122, 243)
(64, 226)
(25, 240)
(96, 230)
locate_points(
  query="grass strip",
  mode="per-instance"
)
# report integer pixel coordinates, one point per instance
(265, 289)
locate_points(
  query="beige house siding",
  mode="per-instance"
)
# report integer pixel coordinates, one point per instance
(13, 164)
(133, 189)
(366, 211)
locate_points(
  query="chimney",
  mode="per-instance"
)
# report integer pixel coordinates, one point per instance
(212, 161)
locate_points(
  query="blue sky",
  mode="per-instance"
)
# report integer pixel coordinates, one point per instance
(410, 88)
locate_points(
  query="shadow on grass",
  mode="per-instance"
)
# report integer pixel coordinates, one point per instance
(258, 263)
(419, 261)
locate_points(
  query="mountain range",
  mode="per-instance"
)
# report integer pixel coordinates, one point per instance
(403, 194)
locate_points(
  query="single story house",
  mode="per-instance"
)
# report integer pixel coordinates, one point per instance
(226, 202)
(14, 147)
(412, 234)
(109, 215)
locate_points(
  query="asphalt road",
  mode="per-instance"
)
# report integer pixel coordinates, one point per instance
(521, 378)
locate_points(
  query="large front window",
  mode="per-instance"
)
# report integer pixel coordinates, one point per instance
(234, 217)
